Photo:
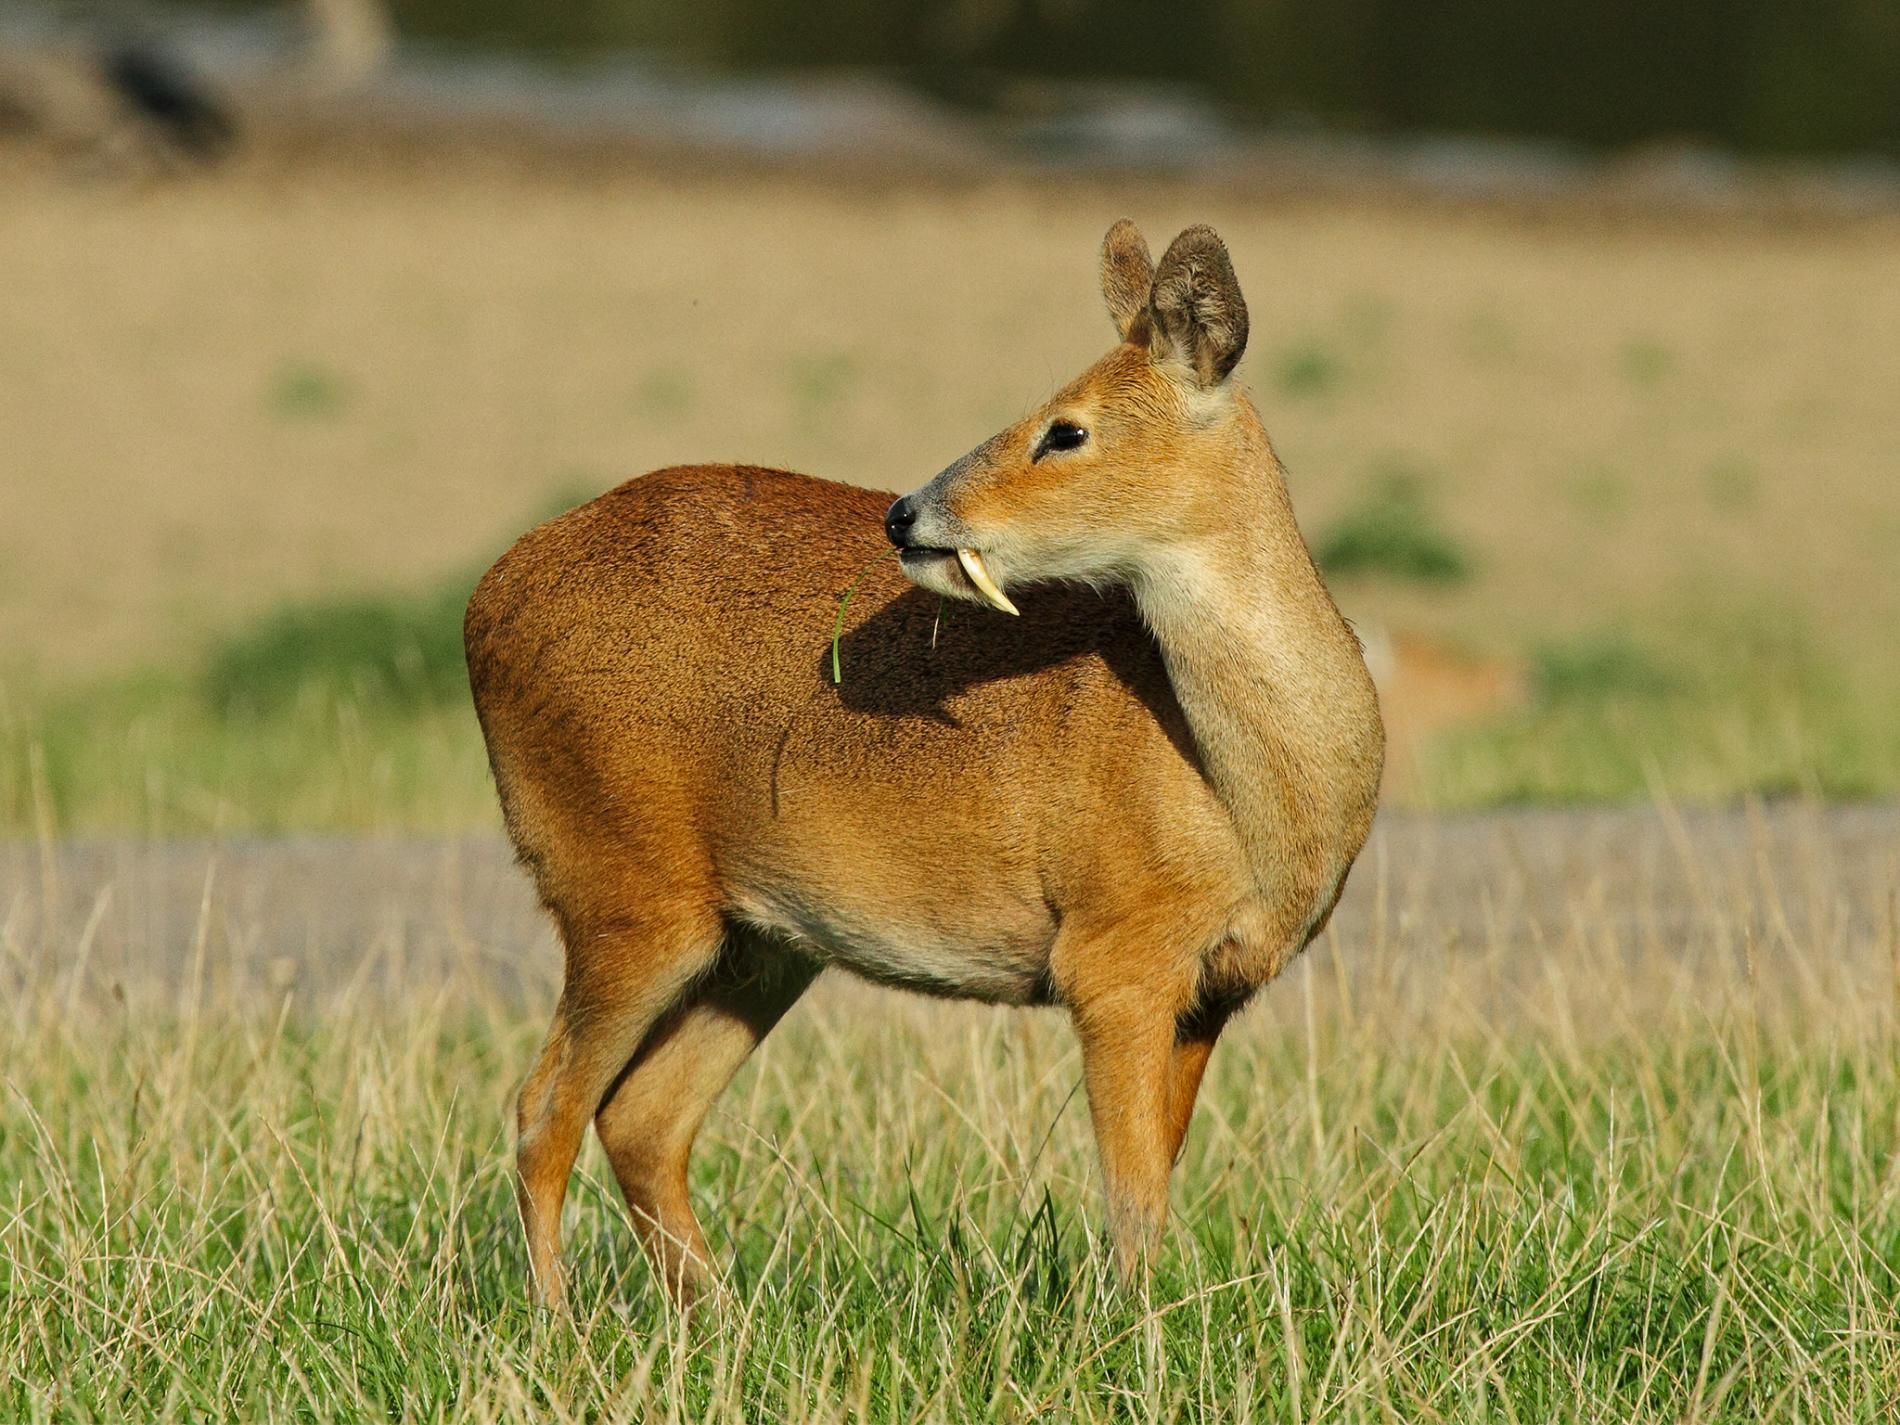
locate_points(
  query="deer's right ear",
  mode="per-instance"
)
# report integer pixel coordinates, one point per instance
(1200, 316)
(1128, 275)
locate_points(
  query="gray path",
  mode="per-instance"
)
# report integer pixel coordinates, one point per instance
(365, 916)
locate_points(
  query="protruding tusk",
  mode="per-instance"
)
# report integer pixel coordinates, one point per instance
(972, 563)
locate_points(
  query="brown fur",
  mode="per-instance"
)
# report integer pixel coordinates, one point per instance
(1125, 802)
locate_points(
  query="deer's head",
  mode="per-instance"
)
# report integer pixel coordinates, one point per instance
(1132, 459)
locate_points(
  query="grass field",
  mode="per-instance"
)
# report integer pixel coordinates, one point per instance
(1571, 1115)
(1567, 1119)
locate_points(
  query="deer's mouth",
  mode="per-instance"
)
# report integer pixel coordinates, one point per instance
(969, 571)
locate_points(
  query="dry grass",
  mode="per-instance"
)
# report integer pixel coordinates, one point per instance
(1585, 1118)
(222, 393)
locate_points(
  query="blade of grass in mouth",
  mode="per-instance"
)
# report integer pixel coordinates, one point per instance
(844, 600)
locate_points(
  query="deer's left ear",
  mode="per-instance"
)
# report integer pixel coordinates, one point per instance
(1128, 274)
(1197, 307)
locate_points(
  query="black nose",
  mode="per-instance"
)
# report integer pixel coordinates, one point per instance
(898, 520)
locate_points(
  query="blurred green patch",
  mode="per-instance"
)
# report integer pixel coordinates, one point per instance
(344, 713)
(1487, 337)
(1393, 534)
(1733, 484)
(1601, 665)
(818, 383)
(1368, 318)
(1308, 369)
(149, 755)
(307, 390)
(1645, 362)
(665, 394)
(1600, 491)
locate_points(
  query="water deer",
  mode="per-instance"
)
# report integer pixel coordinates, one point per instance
(1130, 783)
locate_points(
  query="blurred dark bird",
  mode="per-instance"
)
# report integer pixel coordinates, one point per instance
(118, 102)
(115, 104)
(164, 93)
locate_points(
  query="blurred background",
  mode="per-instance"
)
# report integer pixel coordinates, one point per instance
(1576, 326)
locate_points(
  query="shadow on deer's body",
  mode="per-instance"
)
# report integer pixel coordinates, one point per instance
(1137, 800)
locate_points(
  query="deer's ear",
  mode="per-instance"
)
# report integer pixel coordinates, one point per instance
(1128, 274)
(1198, 311)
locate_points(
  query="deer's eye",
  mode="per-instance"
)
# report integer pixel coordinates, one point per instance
(1061, 435)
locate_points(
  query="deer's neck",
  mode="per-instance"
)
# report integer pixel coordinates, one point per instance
(1272, 682)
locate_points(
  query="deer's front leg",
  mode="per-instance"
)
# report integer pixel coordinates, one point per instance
(1127, 1056)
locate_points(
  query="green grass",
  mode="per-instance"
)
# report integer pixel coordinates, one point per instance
(151, 755)
(818, 385)
(1702, 709)
(372, 653)
(665, 395)
(307, 391)
(1646, 362)
(344, 713)
(1733, 485)
(1429, 1186)
(1310, 368)
(1599, 667)
(403, 652)
(1392, 534)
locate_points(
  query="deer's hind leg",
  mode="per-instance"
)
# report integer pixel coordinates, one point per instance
(624, 973)
(653, 1113)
